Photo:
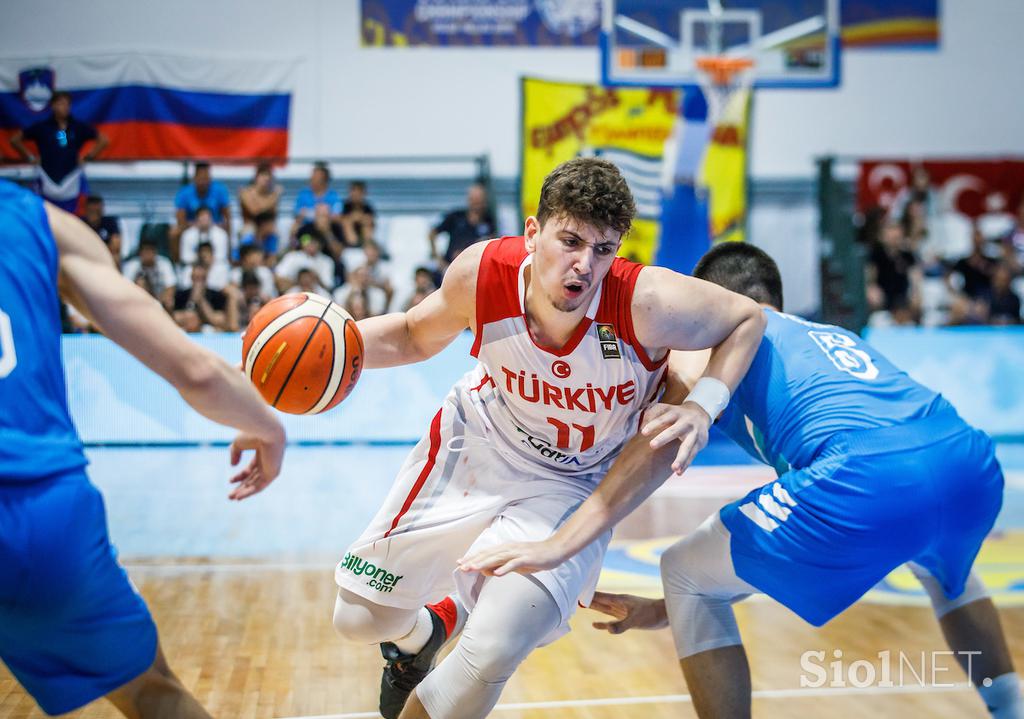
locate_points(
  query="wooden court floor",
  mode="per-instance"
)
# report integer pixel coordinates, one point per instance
(256, 641)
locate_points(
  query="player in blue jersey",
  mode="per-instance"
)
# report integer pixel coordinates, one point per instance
(72, 627)
(874, 471)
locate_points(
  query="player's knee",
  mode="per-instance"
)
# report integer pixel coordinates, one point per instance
(361, 622)
(493, 659)
(676, 572)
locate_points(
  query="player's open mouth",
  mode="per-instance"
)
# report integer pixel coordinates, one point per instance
(574, 289)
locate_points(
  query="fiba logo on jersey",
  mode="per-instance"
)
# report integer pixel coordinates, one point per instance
(609, 342)
(561, 369)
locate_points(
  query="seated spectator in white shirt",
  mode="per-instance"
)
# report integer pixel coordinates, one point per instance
(308, 257)
(218, 274)
(355, 305)
(204, 231)
(253, 260)
(307, 282)
(380, 272)
(359, 282)
(153, 272)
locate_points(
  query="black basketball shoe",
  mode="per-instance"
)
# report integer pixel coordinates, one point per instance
(404, 671)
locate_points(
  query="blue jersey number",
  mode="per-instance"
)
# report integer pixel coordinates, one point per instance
(8, 358)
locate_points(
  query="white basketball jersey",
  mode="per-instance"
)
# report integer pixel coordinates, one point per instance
(564, 411)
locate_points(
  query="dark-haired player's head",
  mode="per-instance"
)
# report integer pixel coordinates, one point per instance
(744, 269)
(585, 209)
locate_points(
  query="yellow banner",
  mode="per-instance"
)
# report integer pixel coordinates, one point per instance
(627, 126)
(724, 170)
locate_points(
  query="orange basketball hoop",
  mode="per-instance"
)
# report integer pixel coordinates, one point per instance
(721, 69)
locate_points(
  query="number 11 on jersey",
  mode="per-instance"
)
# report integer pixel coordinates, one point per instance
(563, 434)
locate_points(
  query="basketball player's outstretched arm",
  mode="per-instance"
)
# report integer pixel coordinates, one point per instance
(133, 319)
(426, 329)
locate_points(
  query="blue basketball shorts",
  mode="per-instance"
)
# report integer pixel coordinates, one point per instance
(818, 538)
(72, 626)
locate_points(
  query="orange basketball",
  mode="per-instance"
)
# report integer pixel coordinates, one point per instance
(303, 352)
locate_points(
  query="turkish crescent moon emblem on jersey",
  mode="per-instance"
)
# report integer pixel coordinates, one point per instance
(561, 369)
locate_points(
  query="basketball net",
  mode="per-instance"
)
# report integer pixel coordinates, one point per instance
(721, 78)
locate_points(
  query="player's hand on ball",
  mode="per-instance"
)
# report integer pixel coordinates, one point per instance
(522, 557)
(688, 423)
(264, 466)
(629, 611)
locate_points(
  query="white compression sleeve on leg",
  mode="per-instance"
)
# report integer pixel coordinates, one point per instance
(973, 591)
(512, 616)
(700, 588)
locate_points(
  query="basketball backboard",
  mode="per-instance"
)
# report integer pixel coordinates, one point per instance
(793, 43)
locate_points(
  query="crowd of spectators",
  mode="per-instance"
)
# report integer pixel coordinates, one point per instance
(211, 277)
(917, 272)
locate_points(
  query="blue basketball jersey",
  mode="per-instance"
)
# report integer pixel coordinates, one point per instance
(37, 437)
(810, 381)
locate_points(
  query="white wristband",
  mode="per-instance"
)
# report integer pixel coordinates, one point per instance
(711, 394)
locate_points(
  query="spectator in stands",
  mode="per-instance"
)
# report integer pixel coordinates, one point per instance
(464, 227)
(358, 221)
(355, 305)
(260, 197)
(264, 236)
(972, 275)
(379, 271)
(200, 308)
(1003, 302)
(203, 191)
(423, 285)
(318, 192)
(218, 272)
(204, 231)
(152, 272)
(1013, 244)
(359, 282)
(331, 235)
(252, 261)
(250, 297)
(308, 257)
(893, 277)
(59, 140)
(307, 282)
(106, 226)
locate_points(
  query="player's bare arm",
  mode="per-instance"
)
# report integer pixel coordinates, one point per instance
(677, 312)
(129, 316)
(406, 337)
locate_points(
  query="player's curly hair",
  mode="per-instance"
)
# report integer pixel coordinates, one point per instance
(588, 190)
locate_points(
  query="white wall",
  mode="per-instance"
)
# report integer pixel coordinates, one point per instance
(355, 101)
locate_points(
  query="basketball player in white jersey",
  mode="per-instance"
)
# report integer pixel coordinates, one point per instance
(571, 342)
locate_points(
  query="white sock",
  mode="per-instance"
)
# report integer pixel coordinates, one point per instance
(1003, 697)
(418, 637)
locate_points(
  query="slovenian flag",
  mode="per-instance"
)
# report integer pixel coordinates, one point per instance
(157, 106)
